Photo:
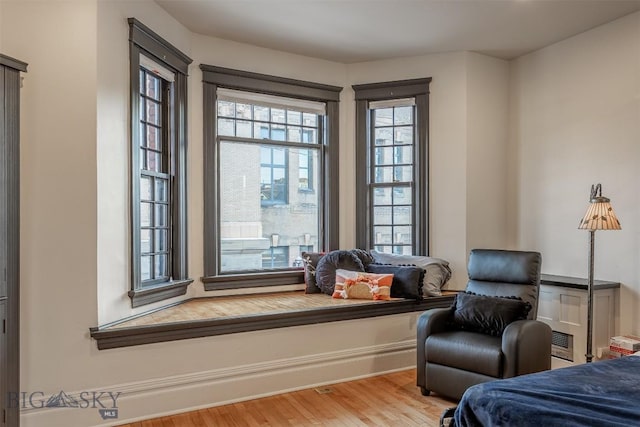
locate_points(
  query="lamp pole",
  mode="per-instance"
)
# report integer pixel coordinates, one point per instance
(589, 355)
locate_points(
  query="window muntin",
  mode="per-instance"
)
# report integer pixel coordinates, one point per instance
(261, 149)
(392, 178)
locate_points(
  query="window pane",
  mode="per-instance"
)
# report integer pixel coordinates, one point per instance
(278, 133)
(145, 241)
(402, 235)
(382, 235)
(277, 115)
(383, 117)
(382, 196)
(153, 87)
(145, 267)
(226, 127)
(161, 215)
(143, 159)
(402, 196)
(243, 111)
(384, 156)
(256, 203)
(294, 117)
(403, 116)
(161, 266)
(403, 154)
(309, 135)
(403, 135)
(384, 136)
(384, 174)
(145, 214)
(382, 215)
(309, 119)
(243, 128)
(145, 188)
(153, 112)
(153, 137)
(402, 215)
(226, 109)
(161, 241)
(161, 190)
(294, 134)
(261, 113)
(260, 130)
(154, 161)
(403, 174)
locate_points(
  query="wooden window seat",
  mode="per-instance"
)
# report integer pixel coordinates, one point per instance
(201, 317)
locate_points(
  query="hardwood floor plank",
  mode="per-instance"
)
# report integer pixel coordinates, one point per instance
(386, 400)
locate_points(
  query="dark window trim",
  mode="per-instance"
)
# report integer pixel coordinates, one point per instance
(10, 69)
(364, 93)
(143, 40)
(214, 77)
(138, 335)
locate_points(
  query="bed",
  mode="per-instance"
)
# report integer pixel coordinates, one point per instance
(605, 393)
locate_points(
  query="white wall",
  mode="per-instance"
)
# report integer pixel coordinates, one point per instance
(575, 122)
(487, 139)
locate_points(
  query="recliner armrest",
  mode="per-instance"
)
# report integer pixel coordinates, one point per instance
(526, 345)
(430, 322)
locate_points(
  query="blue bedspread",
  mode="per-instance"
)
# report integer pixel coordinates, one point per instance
(605, 393)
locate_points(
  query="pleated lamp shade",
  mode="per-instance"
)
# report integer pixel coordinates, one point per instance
(600, 216)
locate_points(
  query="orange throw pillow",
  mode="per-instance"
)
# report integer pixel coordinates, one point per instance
(361, 285)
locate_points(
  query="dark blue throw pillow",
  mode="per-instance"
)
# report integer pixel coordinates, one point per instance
(328, 264)
(407, 280)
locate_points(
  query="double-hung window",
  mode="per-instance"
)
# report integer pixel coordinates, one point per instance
(392, 181)
(268, 142)
(158, 167)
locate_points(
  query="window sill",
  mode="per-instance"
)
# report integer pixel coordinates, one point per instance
(114, 336)
(140, 297)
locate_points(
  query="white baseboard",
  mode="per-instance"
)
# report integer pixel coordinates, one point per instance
(180, 393)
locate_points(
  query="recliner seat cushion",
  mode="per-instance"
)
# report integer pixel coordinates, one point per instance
(470, 351)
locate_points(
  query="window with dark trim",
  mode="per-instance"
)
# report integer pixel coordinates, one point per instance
(268, 141)
(392, 184)
(158, 167)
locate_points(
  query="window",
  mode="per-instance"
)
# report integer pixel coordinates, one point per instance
(267, 139)
(392, 186)
(158, 156)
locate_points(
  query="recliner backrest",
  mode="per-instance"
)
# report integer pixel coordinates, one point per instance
(505, 273)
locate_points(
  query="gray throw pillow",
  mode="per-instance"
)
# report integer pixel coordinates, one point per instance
(437, 271)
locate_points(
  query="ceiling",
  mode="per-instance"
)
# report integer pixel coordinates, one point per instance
(352, 31)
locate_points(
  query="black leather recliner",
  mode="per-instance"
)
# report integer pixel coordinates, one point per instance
(451, 360)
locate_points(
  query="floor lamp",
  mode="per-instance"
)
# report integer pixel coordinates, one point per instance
(599, 216)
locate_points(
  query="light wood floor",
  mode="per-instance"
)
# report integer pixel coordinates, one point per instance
(387, 400)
